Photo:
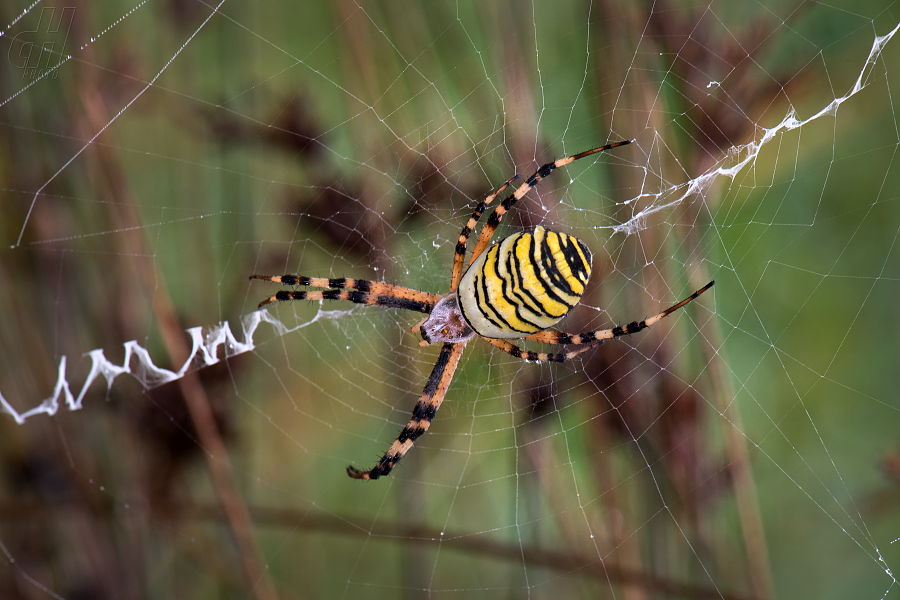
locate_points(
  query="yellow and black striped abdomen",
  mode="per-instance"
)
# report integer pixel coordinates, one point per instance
(524, 283)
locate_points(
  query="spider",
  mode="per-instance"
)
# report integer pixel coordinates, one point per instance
(518, 288)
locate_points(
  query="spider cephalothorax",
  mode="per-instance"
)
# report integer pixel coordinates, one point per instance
(516, 289)
(446, 323)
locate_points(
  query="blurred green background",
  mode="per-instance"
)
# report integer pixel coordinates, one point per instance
(154, 156)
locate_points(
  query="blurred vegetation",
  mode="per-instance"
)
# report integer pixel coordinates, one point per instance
(748, 449)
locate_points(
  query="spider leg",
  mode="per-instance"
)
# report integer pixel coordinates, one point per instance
(591, 337)
(360, 291)
(494, 220)
(460, 256)
(423, 413)
(511, 348)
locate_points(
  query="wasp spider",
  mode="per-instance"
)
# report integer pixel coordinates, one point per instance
(517, 288)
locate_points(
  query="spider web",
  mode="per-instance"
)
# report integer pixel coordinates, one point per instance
(162, 438)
